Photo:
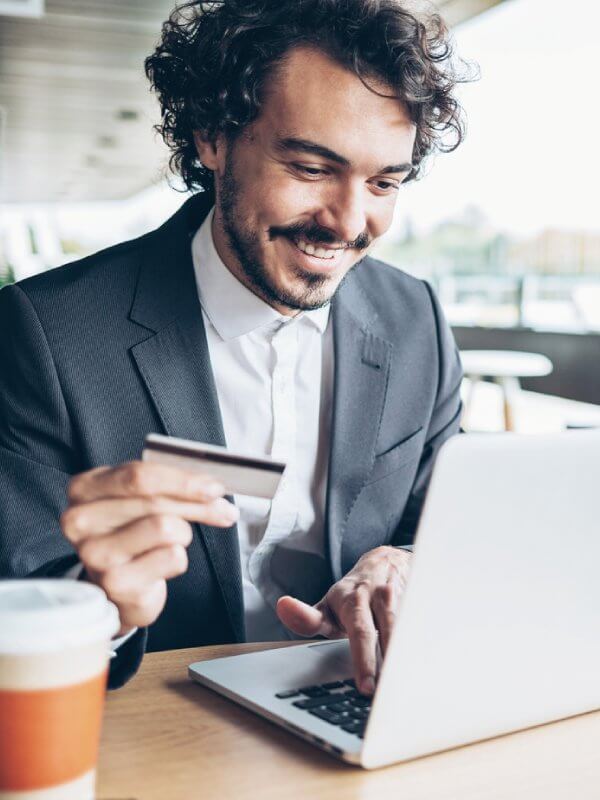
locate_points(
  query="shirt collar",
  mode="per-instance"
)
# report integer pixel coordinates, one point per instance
(243, 311)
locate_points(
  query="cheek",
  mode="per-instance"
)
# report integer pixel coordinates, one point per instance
(284, 202)
(382, 218)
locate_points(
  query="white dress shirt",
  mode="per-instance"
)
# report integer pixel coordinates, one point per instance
(274, 381)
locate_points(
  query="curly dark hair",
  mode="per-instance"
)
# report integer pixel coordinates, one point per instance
(214, 59)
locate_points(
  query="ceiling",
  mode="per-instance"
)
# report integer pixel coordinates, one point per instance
(76, 112)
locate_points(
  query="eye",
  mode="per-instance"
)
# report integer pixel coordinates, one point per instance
(310, 171)
(387, 186)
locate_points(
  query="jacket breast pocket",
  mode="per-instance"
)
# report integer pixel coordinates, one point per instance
(400, 454)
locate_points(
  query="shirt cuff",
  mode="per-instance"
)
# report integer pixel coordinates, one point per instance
(74, 572)
(116, 643)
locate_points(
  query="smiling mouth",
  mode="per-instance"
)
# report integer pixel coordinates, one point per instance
(323, 253)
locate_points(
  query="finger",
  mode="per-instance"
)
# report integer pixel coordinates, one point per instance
(129, 583)
(143, 479)
(357, 619)
(145, 610)
(101, 553)
(384, 604)
(104, 516)
(306, 620)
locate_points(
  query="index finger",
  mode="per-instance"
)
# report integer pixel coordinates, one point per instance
(357, 620)
(143, 479)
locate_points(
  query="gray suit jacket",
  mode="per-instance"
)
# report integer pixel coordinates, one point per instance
(98, 353)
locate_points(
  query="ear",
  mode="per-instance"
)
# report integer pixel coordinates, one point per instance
(207, 150)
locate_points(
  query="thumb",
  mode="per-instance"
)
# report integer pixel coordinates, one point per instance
(301, 618)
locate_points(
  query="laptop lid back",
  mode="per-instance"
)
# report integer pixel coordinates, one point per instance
(499, 628)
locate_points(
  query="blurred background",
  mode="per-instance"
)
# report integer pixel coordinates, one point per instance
(506, 228)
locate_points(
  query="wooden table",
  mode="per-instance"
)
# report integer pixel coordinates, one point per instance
(166, 738)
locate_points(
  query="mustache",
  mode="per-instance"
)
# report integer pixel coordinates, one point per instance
(317, 235)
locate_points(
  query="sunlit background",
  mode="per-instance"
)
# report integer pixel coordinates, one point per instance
(506, 227)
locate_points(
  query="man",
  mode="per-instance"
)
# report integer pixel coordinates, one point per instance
(252, 318)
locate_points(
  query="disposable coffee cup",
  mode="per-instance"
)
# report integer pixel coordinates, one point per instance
(54, 653)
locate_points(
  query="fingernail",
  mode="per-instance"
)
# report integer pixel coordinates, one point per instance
(368, 685)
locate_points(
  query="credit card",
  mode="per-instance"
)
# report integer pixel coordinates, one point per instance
(257, 476)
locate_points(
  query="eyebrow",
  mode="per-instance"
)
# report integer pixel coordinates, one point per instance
(291, 143)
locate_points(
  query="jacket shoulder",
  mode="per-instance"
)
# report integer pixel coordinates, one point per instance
(397, 297)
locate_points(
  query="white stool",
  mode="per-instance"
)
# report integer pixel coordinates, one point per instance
(503, 367)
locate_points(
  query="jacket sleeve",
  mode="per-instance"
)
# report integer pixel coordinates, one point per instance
(444, 421)
(38, 456)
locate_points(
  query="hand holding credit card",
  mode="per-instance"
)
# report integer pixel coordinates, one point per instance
(258, 476)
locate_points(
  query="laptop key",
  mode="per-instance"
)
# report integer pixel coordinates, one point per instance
(329, 716)
(350, 682)
(315, 702)
(359, 713)
(314, 691)
(361, 702)
(345, 706)
(333, 685)
(358, 728)
(287, 693)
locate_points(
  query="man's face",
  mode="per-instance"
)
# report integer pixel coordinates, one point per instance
(308, 187)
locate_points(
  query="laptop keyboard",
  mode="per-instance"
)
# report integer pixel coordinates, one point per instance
(338, 703)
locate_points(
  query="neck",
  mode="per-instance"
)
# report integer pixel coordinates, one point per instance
(233, 264)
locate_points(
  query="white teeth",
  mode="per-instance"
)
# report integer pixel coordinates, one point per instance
(318, 252)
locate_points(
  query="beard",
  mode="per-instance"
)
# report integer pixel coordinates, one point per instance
(314, 291)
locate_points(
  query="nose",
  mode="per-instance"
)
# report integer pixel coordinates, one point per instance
(344, 213)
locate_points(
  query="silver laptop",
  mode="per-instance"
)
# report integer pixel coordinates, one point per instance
(499, 628)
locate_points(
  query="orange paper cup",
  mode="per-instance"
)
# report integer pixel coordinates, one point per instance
(54, 650)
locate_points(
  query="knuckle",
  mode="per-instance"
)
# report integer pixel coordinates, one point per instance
(389, 618)
(135, 478)
(182, 530)
(154, 506)
(188, 533)
(178, 558)
(163, 526)
(343, 586)
(354, 601)
(89, 554)
(113, 582)
(361, 589)
(349, 604)
(74, 488)
(137, 603)
(360, 629)
(384, 595)
(73, 522)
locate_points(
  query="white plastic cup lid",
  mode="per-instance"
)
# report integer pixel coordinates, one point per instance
(50, 614)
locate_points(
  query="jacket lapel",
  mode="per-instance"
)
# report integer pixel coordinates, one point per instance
(175, 366)
(362, 362)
